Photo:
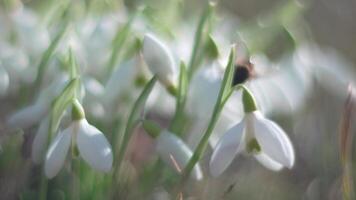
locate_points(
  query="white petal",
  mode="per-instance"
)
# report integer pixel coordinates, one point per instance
(120, 81)
(40, 142)
(268, 162)
(159, 59)
(274, 141)
(28, 116)
(4, 81)
(175, 153)
(94, 147)
(226, 149)
(57, 152)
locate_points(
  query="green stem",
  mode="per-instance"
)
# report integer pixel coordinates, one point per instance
(224, 94)
(48, 54)
(177, 124)
(43, 187)
(131, 123)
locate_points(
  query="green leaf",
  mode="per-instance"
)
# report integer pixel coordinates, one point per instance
(224, 94)
(132, 121)
(176, 126)
(211, 49)
(228, 75)
(48, 54)
(61, 102)
(73, 67)
(199, 37)
(118, 42)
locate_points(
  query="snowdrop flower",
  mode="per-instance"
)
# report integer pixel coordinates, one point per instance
(4, 81)
(32, 114)
(202, 96)
(31, 34)
(120, 82)
(172, 150)
(92, 145)
(160, 61)
(254, 135)
(40, 141)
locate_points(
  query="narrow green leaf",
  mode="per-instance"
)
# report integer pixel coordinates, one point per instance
(229, 74)
(211, 49)
(48, 54)
(118, 42)
(176, 126)
(224, 94)
(132, 121)
(73, 67)
(199, 38)
(61, 102)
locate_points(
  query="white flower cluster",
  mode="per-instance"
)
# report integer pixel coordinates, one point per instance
(111, 82)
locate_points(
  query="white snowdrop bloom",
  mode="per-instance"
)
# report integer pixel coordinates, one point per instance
(92, 145)
(30, 32)
(160, 61)
(40, 142)
(4, 81)
(333, 71)
(16, 63)
(96, 35)
(94, 91)
(175, 153)
(32, 114)
(201, 99)
(120, 82)
(254, 135)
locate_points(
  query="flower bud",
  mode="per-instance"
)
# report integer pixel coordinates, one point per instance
(159, 60)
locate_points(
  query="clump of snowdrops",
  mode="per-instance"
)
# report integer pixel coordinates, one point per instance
(143, 103)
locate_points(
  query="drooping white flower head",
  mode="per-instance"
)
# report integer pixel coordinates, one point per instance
(202, 96)
(92, 145)
(32, 114)
(175, 153)
(31, 33)
(40, 141)
(255, 135)
(159, 60)
(120, 82)
(171, 149)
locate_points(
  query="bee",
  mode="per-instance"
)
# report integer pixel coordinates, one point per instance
(244, 70)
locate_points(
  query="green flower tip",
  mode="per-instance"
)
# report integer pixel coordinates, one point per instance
(248, 101)
(253, 146)
(172, 90)
(77, 110)
(140, 80)
(152, 128)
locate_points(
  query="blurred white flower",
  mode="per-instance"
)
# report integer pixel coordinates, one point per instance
(120, 82)
(160, 61)
(16, 63)
(91, 142)
(4, 81)
(258, 136)
(94, 91)
(202, 96)
(40, 142)
(175, 153)
(32, 35)
(32, 114)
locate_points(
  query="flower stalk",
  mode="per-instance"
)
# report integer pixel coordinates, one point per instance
(224, 94)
